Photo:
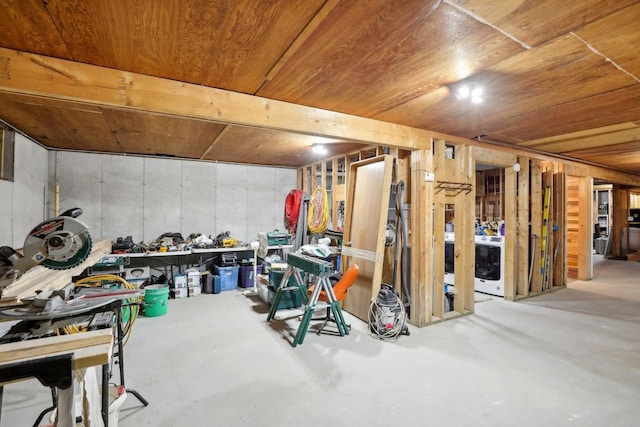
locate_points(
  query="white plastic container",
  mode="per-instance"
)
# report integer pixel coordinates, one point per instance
(117, 396)
(115, 402)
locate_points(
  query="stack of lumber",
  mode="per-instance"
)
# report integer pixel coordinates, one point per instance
(40, 278)
(89, 348)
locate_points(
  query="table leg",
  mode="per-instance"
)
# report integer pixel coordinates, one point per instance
(105, 395)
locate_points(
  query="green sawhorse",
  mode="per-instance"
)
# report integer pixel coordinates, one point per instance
(322, 270)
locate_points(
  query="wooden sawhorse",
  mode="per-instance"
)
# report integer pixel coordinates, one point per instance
(322, 270)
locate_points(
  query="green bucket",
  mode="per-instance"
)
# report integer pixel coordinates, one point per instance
(156, 300)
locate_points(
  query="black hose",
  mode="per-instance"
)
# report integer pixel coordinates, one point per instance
(402, 229)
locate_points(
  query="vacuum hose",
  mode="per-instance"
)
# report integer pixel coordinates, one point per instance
(405, 256)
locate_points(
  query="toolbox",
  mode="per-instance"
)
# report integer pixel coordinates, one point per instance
(276, 238)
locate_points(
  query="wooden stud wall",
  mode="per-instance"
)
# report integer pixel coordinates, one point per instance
(578, 227)
(573, 218)
(421, 238)
(442, 173)
(523, 208)
(523, 243)
(547, 181)
(465, 231)
(510, 233)
(620, 210)
(536, 222)
(559, 201)
(585, 235)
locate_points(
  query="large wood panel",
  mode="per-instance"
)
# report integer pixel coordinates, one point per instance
(423, 57)
(368, 193)
(552, 18)
(548, 68)
(230, 45)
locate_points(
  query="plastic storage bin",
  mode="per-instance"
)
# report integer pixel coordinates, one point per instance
(246, 275)
(275, 277)
(228, 277)
(291, 298)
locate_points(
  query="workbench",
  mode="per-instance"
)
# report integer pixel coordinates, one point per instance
(52, 361)
(36, 356)
(180, 259)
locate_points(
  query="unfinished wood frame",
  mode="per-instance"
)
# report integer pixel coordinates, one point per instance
(560, 234)
(535, 285)
(464, 230)
(573, 221)
(522, 229)
(547, 182)
(452, 184)
(421, 238)
(620, 195)
(579, 223)
(505, 160)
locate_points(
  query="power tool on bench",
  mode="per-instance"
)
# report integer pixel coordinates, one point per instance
(58, 243)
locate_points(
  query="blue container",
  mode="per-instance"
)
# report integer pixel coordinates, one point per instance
(246, 275)
(228, 277)
(217, 284)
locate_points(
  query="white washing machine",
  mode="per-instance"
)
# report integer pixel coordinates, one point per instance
(449, 258)
(489, 275)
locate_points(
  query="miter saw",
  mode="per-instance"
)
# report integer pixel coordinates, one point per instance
(58, 243)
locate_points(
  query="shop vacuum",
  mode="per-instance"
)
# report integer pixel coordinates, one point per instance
(387, 316)
(388, 311)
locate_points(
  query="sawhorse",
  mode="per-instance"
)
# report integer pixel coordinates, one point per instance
(322, 270)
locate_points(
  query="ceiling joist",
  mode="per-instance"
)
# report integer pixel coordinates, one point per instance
(48, 77)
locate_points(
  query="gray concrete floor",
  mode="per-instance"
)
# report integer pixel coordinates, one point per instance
(570, 357)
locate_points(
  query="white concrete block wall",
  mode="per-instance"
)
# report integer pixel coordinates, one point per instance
(146, 197)
(122, 197)
(264, 213)
(199, 197)
(6, 213)
(22, 202)
(162, 200)
(79, 176)
(231, 200)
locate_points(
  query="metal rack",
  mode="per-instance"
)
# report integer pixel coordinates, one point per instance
(453, 188)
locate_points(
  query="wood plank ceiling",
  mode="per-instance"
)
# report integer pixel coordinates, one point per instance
(559, 76)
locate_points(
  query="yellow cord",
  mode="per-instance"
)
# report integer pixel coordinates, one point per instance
(133, 306)
(318, 217)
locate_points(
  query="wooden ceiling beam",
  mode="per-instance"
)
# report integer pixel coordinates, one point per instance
(47, 77)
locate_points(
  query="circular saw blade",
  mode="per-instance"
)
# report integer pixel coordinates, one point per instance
(80, 250)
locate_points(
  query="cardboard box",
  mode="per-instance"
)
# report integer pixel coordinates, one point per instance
(193, 278)
(180, 281)
(194, 291)
(179, 293)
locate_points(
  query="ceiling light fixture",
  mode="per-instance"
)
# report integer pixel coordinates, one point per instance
(470, 91)
(319, 149)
